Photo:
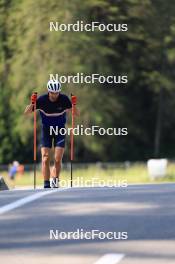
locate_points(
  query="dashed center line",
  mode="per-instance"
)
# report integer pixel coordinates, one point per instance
(110, 259)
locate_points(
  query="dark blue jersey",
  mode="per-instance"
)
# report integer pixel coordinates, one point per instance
(53, 113)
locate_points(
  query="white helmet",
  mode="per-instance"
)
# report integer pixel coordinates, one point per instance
(53, 86)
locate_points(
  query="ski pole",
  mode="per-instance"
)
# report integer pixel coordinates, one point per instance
(33, 100)
(74, 101)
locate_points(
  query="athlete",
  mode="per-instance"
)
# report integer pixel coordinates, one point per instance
(53, 108)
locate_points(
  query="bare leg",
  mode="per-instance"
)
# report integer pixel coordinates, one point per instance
(45, 152)
(58, 160)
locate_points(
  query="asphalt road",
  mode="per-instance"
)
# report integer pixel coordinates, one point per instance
(145, 212)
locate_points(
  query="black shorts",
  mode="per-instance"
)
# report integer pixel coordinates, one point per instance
(48, 140)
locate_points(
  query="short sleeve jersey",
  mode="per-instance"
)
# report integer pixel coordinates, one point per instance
(53, 113)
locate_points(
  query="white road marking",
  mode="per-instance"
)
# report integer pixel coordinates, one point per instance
(28, 199)
(110, 259)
